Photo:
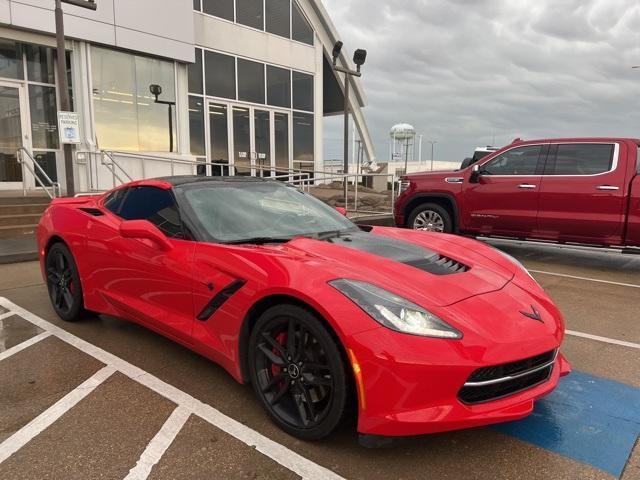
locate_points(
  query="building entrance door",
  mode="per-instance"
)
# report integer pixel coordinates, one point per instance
(13, 135)
(251, 140)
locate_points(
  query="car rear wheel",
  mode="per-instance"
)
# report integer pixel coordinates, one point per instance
(63, 282)
(297, 372)
(430, 217)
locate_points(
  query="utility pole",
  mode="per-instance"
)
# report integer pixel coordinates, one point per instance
(432, 142)
(359, 57)
(63, 83)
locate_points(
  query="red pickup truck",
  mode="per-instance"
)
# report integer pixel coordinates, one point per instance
(580, 190)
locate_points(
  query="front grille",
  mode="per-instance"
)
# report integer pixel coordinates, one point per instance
(491, 383)
(438, 265)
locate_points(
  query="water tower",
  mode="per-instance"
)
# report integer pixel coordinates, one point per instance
(403, 139)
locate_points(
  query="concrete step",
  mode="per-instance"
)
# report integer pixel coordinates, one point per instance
(11, 231)
(19, 220)
(29, 200)
(26, 209)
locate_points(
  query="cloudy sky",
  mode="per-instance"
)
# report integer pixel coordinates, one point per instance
(466, 71)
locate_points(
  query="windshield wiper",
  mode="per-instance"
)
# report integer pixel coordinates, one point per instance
(258, 241)
(332, 234)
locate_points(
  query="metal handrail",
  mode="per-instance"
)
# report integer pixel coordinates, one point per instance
(55, 186)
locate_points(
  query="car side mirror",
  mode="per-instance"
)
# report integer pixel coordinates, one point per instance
(475, 174)
(341, 211)
(145, 230)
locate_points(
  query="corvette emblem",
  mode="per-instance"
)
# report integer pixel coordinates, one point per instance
(533, 316)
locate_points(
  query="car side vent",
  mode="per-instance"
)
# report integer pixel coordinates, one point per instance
(439, 265)
(95, 212)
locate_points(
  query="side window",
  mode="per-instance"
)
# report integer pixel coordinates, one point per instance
(582, 159)
(638, 165)
(155, 205)
(114, 201)
(519, 161)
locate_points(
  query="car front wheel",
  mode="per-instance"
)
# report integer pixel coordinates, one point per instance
(430, 217)
(297, 372)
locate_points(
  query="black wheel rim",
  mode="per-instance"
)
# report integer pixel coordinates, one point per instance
(293, 373)
(60, 282)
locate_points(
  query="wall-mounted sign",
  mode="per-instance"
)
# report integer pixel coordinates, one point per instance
(69, 127)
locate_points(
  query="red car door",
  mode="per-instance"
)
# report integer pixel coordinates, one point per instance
(504, 201)
(135, 276)
(582, 198)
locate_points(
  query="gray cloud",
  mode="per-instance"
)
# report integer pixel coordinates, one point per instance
(462, 71)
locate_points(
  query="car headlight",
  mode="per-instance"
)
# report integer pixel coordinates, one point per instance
(395, 312)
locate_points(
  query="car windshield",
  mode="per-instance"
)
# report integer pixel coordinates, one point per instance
(258, 212)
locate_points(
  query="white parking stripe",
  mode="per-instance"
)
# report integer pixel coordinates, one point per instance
(304, 467)
(19, 439)
(586, 279)
(603, 339)
(21, 346)
(159, 444)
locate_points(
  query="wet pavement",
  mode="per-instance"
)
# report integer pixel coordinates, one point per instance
(160, 411)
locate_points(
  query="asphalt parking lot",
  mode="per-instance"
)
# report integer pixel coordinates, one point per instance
(108, 399)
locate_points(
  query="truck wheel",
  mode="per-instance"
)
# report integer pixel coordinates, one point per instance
(430, 217)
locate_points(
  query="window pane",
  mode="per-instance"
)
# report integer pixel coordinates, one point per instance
(250, 13)
(302, 91)
(155, 205)
(127, 117)
(196, 5)
(114, 200)
(278, 87)
(196, 125)
(47, 161)
(519, 161)
(262, 129)
(10, 135)
(40, 64)
(44, 116)
(242, 140)
(195, 73)
(583, 159)
(219, 8)
(220, 75)
(278, 17)
(250, 81)
(10, 59)
(156, 133)
(219, 136)
(301, 30)
(303, 135)
(281, 126)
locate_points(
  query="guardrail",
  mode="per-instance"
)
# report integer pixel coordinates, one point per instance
(303, 179)
(52, 189)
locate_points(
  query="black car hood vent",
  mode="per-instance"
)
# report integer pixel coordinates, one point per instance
(401, 251)
(92, 211)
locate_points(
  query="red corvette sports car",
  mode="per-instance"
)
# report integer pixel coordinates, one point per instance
(418, 332)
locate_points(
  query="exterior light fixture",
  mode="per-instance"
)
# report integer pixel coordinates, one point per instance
(359, 58)
(337, 49)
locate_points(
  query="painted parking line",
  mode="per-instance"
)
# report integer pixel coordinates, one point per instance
(286, 457)
(21, 346)
(589, 419)
(597, 338)
(585, 279)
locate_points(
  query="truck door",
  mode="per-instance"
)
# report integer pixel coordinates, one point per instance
(504, 201)
(582, 197)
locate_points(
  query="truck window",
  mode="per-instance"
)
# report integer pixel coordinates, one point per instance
(519, 161)
(582, 159)
(638, 165)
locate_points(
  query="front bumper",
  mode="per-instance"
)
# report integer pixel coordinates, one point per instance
(410, 384)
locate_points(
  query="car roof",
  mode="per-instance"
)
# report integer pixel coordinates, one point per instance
(180, 180)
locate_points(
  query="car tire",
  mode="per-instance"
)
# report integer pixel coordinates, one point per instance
(430, 217)
(63, 283)
(305, 390)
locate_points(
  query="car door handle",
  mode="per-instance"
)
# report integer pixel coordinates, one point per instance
(527, 186)
(610, 188)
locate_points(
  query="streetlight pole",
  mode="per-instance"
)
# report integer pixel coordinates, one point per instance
(63, 83)
(433, 143)
(156, 91)
(359, 57)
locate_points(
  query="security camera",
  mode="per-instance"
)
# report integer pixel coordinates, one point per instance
(360, 57)
(156, 90)
(337, 48)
